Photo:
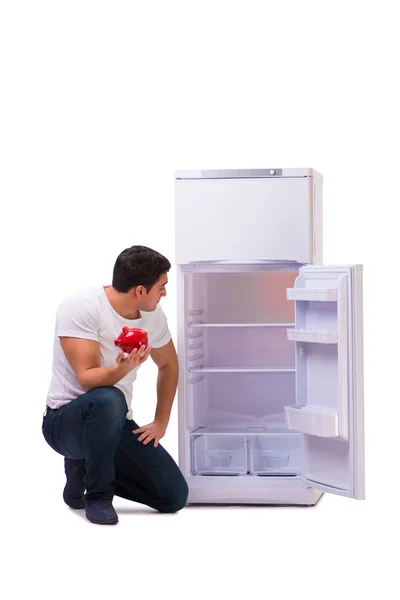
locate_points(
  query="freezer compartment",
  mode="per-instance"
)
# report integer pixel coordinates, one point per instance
(277, 218)
(219, 454)
(275, 453)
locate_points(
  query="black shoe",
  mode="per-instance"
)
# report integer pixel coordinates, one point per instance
(75, 487)
(101, 512)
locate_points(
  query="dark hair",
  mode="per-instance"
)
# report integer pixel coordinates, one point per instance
(138, 265)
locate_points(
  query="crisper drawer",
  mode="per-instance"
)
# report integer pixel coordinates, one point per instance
(219, 455)
(275, 454)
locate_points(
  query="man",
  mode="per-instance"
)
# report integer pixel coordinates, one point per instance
(88, 415)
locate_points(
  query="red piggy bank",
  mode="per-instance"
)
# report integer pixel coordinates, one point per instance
(129, 339)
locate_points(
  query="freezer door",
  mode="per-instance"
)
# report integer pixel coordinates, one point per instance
(329, 377)
(248, 219)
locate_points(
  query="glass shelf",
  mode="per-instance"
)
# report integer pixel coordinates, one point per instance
(201, 325)
(247, 431)
(237, 370)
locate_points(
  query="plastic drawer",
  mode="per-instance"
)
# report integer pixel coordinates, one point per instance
(275, 454)
(219, 455)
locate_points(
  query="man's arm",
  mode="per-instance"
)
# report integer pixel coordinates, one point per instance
(84, 357)
(167, 381)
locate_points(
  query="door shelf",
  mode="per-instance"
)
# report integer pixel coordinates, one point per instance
(313, 419)
(313, 336)
(237, 370)
(308, 294)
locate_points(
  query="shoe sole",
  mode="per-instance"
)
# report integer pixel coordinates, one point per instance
(102, 522)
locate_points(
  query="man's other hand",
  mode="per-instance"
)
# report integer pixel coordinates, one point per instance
(153, 431)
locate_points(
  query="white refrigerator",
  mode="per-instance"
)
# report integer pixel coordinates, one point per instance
(270, 342)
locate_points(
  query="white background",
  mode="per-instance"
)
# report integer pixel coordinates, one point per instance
(100, 103)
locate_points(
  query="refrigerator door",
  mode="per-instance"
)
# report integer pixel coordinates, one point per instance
(329, 377)
(248, 218)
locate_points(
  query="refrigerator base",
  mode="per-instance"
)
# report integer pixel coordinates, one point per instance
(234, 494)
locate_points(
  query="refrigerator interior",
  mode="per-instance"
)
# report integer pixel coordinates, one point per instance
(240, 370)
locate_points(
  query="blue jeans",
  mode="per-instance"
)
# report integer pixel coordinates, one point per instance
(94, 427)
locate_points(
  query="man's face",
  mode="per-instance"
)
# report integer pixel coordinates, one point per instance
(151, 298)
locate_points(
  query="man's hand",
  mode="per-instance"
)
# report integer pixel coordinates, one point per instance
(84, 357)
(153, 431)
(133, 360)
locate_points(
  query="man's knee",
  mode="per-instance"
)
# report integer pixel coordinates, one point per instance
(176, 498)
(109, 403)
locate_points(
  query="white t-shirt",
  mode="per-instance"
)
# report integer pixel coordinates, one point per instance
(88, 314)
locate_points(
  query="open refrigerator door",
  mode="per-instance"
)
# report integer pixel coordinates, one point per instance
(329, 377)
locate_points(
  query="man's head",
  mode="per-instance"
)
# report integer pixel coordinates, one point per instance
(141, 272)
